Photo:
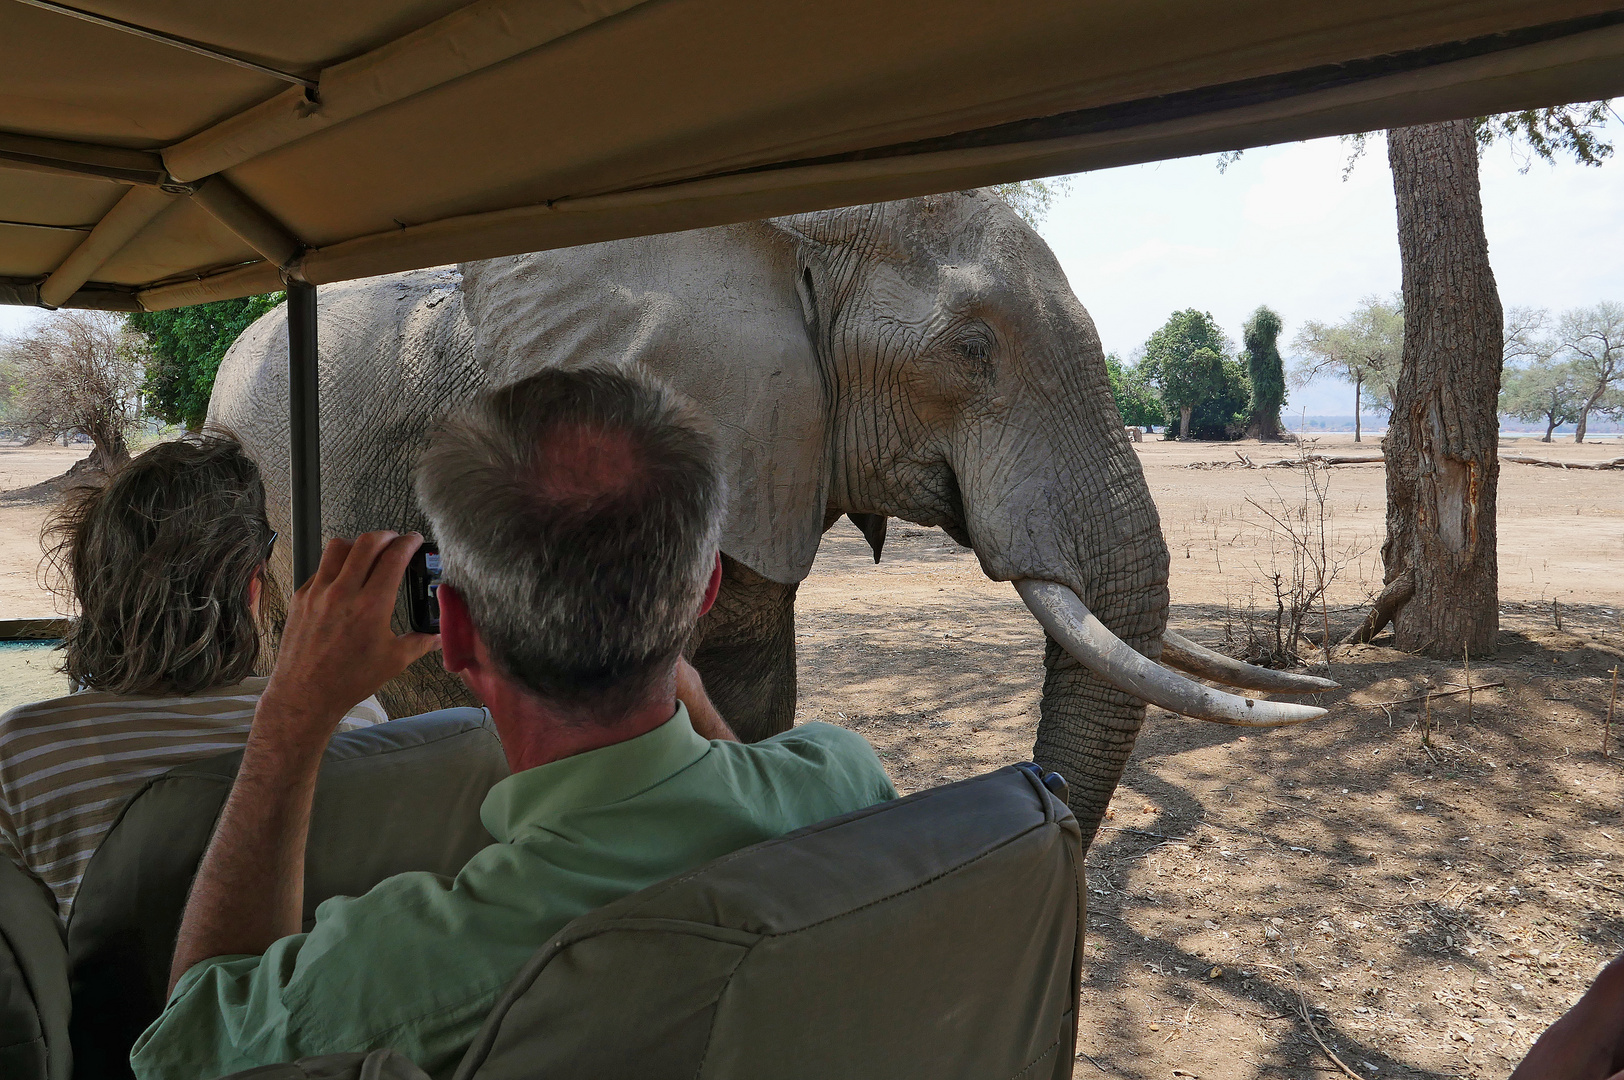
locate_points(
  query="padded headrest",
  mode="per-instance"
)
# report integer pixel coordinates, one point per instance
(390, 798)
(938, 935)
(34, 1003)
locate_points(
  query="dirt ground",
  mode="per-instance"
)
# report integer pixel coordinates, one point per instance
(1260, 901)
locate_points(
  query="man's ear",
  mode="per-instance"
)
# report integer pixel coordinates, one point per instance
(256, 585)
(713, 588)
(458, 638)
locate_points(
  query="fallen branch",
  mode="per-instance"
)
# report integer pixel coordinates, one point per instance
(1347, 459)
(1430, 694)
(1524, 459)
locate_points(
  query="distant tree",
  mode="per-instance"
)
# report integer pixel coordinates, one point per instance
(1542, 390)
(1592, 342)
(1535, 383)
(1223, 414)
(1266, 372)
(1135, 399)
(1363, 349)
(1032, 198)
(78, 373)
(1184, 361)
(186, 346)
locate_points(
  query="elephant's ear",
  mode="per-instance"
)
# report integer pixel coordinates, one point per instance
(717, 314)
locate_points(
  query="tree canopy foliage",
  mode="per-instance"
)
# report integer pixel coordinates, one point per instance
(186, 345)
(76, 373)
(1364, 349)
(1564, 370)
(1190, 363)
(1265, 370)
(1135, 398)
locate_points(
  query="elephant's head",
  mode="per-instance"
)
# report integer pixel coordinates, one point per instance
(924, 360)
(967, 389)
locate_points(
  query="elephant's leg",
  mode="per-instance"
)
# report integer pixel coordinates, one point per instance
(744, 649)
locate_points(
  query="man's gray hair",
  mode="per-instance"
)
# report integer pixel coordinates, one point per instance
(578, 514)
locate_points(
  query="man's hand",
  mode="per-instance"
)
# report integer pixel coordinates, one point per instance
(338, 647)
(701, 713)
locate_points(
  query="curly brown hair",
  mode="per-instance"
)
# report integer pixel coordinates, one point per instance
(158, 557)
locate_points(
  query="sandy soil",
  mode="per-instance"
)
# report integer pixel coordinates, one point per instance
(1430, 908)
(1422, 910)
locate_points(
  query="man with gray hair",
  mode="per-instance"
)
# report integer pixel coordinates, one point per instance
(578, 515)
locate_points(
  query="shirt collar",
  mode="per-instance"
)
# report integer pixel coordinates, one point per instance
(609, 774)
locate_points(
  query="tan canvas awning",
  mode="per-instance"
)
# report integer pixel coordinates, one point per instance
(158, 155)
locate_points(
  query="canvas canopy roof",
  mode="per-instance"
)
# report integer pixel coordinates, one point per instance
(154, 155)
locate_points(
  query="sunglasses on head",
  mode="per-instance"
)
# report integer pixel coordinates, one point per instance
(270, 546)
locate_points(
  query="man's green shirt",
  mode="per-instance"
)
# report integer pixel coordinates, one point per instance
(418, 962)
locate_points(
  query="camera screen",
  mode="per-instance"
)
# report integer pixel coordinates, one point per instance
(431, 560)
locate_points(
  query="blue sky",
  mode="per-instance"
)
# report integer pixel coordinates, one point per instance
(1281, 227)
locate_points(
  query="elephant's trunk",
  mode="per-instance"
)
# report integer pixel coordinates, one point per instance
(1086, 731)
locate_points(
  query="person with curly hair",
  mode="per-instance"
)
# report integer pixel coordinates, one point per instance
(165, 559)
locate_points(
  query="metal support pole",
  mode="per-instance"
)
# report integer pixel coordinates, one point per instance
(304, 428)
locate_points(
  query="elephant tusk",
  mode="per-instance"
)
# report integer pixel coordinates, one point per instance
(1180, 652)
(1070, 623)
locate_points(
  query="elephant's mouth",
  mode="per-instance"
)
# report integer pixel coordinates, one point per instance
(1070, 623)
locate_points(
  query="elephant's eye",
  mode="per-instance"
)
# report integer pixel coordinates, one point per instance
(974, 344)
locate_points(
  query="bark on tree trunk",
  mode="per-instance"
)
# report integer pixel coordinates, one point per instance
(108, 452)
(1184, 420)
(1358, 385)
(1443, 464)
(1584, 422)
(1550, 427)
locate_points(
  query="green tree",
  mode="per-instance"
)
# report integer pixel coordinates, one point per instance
(1536, 383)
(1267, 373)
(186, 345)
(1592, 342)
(1184, 361)
(1135, 398)
(1223, 413)
(1542, 390)
(1363, 349)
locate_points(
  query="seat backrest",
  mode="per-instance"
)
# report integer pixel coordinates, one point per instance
(390, 798)
(938, 935)
(34, 1002)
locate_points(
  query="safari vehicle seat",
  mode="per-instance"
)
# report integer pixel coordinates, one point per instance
(938, 935)
(390, 798)
(34, 1003)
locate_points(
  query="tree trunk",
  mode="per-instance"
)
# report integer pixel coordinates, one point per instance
(108, 452)
(1550, 427)
(1358, 385)
(1184, 420)
(1443, 465)
(1584, 422)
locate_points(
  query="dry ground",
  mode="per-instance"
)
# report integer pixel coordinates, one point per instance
(1430, 908)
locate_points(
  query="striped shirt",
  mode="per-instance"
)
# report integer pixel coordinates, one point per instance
(68, 766)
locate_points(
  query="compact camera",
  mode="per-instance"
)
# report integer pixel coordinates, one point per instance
(422, 589)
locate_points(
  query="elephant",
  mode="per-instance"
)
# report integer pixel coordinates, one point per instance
(923, 360)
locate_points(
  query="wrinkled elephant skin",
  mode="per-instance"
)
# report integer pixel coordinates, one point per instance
(924, 360)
